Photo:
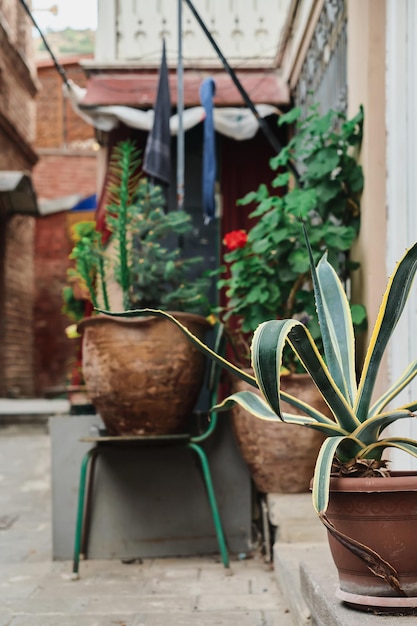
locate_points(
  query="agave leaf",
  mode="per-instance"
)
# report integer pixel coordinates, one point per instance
(369, 431)
(390, 312)
(324, 302)
(401, 443)
(304, 346)
(322, 471)
(306, 408)
(329, 430)
(256, 405)
(194, 340)
(405, 378)
(267, 347)
(259, 407)
(338, 320)
(410, 406)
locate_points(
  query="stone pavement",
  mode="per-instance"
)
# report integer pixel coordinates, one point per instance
(34, 591)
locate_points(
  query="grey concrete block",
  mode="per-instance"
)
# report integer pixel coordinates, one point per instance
(148, 502)
(155, 592)
(294, 518)
(319, 582)
(287, 572)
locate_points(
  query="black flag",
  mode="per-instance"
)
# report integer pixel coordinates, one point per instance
(157, 160)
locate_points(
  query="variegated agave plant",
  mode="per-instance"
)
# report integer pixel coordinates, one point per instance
(355, 432)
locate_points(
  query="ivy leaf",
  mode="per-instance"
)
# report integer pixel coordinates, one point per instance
(254, 294)
(254, 196)
(281, 180)
(322, 162)
(299, 262)
(358, 312)
(282, 158)
(327, 190)
(290, 117)
(300, 202)
(339, 237)
(261, 246)
(356, 179)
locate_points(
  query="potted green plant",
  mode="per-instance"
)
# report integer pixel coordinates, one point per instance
(142, 378)
(267, 276)
(266, 270)
(368, 510)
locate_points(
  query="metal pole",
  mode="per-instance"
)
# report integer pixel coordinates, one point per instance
(180, 112)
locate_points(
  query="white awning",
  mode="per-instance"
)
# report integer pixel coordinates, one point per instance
(234, 122)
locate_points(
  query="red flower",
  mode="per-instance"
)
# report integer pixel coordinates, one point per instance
(235, 239)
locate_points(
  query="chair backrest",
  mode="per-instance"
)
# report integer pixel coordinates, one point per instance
(213, 379)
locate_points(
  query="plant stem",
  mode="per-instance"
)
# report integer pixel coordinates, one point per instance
(124, 200)
(103, 284)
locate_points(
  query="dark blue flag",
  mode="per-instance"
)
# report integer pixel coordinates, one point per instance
(207, 91)
(157, 159)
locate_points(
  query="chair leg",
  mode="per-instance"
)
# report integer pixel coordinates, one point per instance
(87, 503)
(80, 541)
(213, 502)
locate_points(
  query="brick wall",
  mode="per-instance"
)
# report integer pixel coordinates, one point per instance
(56, 175)
(17, 25)
(18, 88)
(67, 165)
(17, 341)
(57, 124)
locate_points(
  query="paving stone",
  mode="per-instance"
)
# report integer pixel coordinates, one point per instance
(210, 618)
(242, 601)
(5, 618)
(34, 591)
(109, 604)
(74, 620)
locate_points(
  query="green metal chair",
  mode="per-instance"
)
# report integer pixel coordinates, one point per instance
(194, 443)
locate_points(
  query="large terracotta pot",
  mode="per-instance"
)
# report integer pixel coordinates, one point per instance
(382, 514)
(281, 457)
(142, 375)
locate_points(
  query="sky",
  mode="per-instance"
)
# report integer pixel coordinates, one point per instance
(77, 14)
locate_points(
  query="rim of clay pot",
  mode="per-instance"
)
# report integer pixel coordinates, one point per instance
(379, 602)
(135, 321)
(398, 481)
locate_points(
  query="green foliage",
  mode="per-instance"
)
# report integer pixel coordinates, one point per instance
(269, 277)
(72, 307)
(149, 264)
(355, 433)
(88, 254)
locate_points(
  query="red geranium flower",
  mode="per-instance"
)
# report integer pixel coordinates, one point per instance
(235, 239)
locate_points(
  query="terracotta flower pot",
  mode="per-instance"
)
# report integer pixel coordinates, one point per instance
(382, 514)
(142, 375)
(281, 457)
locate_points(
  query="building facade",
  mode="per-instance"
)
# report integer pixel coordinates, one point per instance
(374, 44)
(64, 175)
(18, 88)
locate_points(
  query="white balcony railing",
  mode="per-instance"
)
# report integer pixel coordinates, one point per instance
(247, 31)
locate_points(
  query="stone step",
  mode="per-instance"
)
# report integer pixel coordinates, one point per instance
(296, 529)
(293, 518)
(31, 410)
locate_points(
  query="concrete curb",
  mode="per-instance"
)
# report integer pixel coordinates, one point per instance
(31, 410)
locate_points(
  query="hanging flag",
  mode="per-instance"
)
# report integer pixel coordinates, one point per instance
(207, 91)
(157, 159)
